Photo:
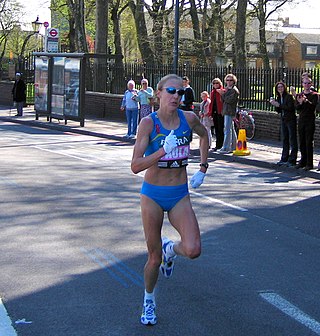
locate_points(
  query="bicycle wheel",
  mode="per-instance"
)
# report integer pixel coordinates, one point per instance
(247, 123)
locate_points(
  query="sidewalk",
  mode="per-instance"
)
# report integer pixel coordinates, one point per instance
(263, 153)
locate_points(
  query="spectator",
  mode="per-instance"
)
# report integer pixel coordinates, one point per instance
(230, 97)
(285, 106)
(204, 114)
(303, 75)
(145, 98)
(130, 105)
(306, 102)
(187, 99)
(215, 109)
(19, 94)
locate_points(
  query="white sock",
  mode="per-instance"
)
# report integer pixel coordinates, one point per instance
(149, 296)
(170, 250)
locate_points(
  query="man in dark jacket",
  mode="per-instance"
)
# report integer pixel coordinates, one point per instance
(306, 107)
(19, 93)
(188, 97)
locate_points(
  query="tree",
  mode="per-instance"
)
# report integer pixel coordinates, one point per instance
(159, 13)
(240, 35)
(142, 31)
(10, 13)
(77, 10)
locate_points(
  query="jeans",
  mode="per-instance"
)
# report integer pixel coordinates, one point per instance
(230, 136)
(289, 141)
(132, 120)
(19, 106)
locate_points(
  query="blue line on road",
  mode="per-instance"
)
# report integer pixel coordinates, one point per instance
(291, 310)
(105, 267)
(121, 267)
(109, 262)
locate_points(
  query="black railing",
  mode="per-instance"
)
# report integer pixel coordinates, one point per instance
(256, 86)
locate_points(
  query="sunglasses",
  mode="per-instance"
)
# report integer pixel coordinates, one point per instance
(229, 80)
(215, 83)
(306, 83)
(173, 90)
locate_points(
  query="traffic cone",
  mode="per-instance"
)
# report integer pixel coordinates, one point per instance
(242, 149)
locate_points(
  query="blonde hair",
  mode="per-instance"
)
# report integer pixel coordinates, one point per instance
(166, 78)
(205, 93)
(217, 80)
(232, 76)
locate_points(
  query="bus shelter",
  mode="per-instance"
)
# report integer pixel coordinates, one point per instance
(60, 86)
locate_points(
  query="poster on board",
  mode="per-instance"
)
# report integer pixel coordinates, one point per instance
(41, 84)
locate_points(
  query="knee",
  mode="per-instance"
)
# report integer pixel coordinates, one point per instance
(154, 259)
(192, 251)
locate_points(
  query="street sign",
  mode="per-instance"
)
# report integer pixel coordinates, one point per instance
(52, 40)
(53, 32)
(46, 24)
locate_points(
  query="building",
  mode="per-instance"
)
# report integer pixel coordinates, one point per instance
(301, 50)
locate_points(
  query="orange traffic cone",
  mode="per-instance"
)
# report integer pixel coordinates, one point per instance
(242, 144)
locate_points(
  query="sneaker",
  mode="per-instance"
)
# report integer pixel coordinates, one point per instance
(299, 165)
(282, 163)
(291, 164)
(223, 151)
(126, 136)
(148, 315)
(307, 168)
(132, 136)
(167, 263)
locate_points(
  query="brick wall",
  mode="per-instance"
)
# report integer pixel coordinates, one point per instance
(107, 106)
(6, 93)
(292, 52)
(104, 105)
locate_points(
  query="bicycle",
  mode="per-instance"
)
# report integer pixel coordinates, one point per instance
(244, 120)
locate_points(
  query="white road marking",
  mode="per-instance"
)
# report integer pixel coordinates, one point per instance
(291, 310)
(214, 200)
(6, 328)
(65, 154)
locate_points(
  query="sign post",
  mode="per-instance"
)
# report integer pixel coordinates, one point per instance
(53, 40)
(46, 26)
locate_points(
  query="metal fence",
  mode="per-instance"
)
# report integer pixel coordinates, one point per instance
(256, 86)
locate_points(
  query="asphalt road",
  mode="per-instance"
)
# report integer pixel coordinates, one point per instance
(73, 251)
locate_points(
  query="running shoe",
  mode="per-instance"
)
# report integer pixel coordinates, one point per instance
(167, 263)
(148, 315)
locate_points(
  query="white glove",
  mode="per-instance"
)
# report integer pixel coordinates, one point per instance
(170, 142)
(197, 179)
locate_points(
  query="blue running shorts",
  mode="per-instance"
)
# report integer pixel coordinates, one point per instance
(165, 196)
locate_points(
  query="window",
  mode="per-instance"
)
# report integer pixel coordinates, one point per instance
(286, 48)
(312, 50)
(252, 64)
(253, 47)
(270, 48)
(229, 47)
(310, 65)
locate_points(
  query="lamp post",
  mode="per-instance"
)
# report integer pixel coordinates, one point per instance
(176, 38)
(36, 25)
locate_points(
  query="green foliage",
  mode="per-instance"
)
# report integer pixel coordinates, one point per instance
(129, 37)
